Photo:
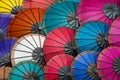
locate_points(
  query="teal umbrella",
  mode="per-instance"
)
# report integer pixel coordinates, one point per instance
(61, 14)
(27, 70)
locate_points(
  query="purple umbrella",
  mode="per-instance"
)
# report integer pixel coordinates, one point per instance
(98, 10)
(5, 20)
(6, 46)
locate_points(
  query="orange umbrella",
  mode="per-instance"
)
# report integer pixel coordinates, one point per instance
(28, 21)
(39, 3)
(4, 72)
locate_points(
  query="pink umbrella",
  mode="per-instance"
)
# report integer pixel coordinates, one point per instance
(114, 33)
(109, 63)
(100, 10)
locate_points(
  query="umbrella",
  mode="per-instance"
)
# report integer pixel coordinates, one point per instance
(27, 70)
(26, 22)
(58, 68)
(109, 63)
(4, 72)
(98, 10)
(11, 6)
(42, 3)
(84, 66)
(28, 47)
(6, 46)
(92, 36)
(59, 41)
(61, 14)
(5, 20)
(114, 33)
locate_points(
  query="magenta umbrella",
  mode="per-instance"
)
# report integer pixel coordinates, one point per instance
(114, 33)
(109, 63)
(101, 10)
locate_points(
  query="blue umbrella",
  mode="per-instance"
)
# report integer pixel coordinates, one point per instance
(84, 66)
(6, 46)
(92, 36)
(5, 20)
(61, 14)
(27, 70)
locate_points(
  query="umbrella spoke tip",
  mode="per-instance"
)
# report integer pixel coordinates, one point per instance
(16, 10)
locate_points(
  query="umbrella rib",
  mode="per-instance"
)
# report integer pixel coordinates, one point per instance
(97, 31)
(4, 8)
(81, 63)
(69, 7)
(63, 35)
(24, 46)
(107, 74)
(85, 78)
(11, 2)
(56, 62)
(90, 17)
(55, 41)
(61, 61)
(4, 73)
(40, 41)
(110, 53)
(64, 8)
(4, 23)
(22, 25)
(81, 74)
(106, 56)
(19, 70)
(39, 70)
(33, 15)
(90, 11)
(88, 33)
(29, 18)
(34, 41)
(6, 3)
(17, 75)
(25, 38)
(52, 67)
(78, 69)
(23, 20)
(54, 52)
(19, 30)
(21, 57)
(40, 3)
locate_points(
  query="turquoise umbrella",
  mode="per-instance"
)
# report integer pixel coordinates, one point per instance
(27, 70)
(61, 14)
(92, 36)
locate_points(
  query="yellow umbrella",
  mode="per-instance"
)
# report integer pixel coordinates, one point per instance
(11, 6)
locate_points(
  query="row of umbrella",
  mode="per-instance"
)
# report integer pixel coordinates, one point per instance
(59, 39)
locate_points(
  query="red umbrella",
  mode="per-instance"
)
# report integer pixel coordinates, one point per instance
(59, 41)
(58, 68)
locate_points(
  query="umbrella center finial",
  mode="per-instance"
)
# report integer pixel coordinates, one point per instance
(1, 34)
(93, 72)
(65, 74)
(117, 66)
(37, 28)
(38, 56)
(73, 20)
(31, 76)
(70, 48)
(102, 40)
(112, 11)
(16, 10)
(5, 60)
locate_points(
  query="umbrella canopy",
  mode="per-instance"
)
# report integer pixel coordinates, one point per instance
(59, 41)
(109, 63)
(58, 68)
(114, 33)
(5, 20)
(6, 46)
(27, 70)
(28, 21)
(92, 36)
(42, 3)
(4, 72)
(28, 47)
(84, 66)
(98, 10)
(11, 6)
(61, 14)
